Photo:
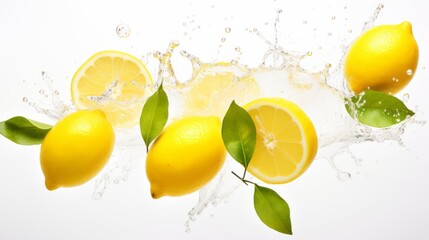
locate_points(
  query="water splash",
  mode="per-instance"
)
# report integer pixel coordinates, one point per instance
(117, 170)
(56, 107)
(370, 23)
(129, 150)
(217, 191)
(166, 74)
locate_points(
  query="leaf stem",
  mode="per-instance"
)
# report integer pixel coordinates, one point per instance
(242, 178)
(244, 173)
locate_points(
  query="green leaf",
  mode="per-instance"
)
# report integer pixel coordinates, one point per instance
(24, 131)
(239, 134)
(272, 209)
(154, 116)
(377, 109)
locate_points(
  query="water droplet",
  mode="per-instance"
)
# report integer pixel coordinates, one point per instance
(123, 30)
(350, 31)
(279, 10)
(41, 91)
(227, 30)
(328, 65)
(97, 195)
(329, 34)
(343, 176)
(333, 17)
(25, 99)
(237, 49)
(223, 39)
(56, 92)
(409, 72)
(304, 22)
(406, 97)
(46, 95)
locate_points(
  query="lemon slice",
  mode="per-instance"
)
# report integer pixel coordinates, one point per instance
(286, 140)
(214, 86)
(114, 82)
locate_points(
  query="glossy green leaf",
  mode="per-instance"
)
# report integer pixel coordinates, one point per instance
(272, 209)
(377, 109)
(239, 134)
(24, 131)
(154, 116)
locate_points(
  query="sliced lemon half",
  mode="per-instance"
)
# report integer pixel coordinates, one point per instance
(114, 82)
(286, 141)
(214, 86)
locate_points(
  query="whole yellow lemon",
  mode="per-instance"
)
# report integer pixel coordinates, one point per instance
(76, 149)
(186, 156)
(382, 59)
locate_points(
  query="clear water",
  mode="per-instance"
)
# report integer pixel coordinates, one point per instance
(280, 74)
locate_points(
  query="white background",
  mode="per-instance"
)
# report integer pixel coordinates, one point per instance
(387, 200)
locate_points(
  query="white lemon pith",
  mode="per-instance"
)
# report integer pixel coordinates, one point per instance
(76, 149)
(185, 157)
